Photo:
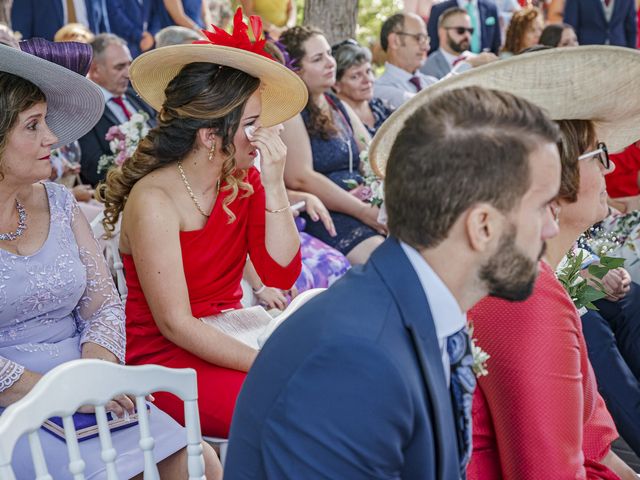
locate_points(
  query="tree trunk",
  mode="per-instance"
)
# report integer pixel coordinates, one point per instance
(337, 18)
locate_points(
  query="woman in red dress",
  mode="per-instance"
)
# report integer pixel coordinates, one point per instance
(193, 206)
(538, 413)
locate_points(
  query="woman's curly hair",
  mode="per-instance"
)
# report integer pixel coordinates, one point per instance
(202, 95)
(521, 21)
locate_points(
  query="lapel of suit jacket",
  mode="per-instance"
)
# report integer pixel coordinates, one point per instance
(482, 18)
(109, 115)
(599, 8)
(398, 274)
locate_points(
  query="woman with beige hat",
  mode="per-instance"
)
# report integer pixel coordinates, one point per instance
(538, 414)
(57, 299)
(193, 205)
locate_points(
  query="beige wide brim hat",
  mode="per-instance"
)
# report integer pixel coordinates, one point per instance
(598, 83)
(74, 104)
(284, 94)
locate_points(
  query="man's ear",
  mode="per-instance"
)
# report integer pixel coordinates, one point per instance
(393, 40)
(484, 225)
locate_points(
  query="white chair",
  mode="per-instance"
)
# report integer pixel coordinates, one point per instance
(80, 382)
(111, 253)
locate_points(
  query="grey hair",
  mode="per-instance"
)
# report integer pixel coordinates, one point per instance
(100, 43)
(349, 55)
(175, 35)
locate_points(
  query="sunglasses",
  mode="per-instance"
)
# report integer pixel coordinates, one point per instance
(602, 153)
(461, 30)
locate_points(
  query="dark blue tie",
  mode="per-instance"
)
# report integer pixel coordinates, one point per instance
(463, 383)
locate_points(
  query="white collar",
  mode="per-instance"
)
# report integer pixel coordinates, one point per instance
(398, 72)
(448, 318)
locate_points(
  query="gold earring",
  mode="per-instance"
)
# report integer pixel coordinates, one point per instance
(212, 151)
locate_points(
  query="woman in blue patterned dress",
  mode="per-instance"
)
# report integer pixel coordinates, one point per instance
(323, 150)
(57, 300)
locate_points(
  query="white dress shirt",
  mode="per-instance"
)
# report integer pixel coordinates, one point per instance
(448, 318)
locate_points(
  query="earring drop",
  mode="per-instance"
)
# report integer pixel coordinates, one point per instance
(212, 151)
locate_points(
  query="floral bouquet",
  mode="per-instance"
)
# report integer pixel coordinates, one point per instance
(123, 140)
(372, 191)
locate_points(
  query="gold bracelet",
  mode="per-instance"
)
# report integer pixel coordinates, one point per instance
(279, 210)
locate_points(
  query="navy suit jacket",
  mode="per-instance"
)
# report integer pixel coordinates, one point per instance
(43, 18)
(93, 145)
(351, 386)
(588, 20)
(489, 24)
(128, 19)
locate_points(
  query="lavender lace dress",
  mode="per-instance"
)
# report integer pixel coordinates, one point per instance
(53, 301)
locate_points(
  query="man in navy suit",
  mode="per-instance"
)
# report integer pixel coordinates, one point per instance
(372, 379)
(603, 22)
(110, 71)
(43, 18)
(484, 20)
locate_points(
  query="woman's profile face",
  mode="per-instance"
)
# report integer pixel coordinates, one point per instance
(591, 204)
(568, 38)
(318, 67)
(245, 153)
(26, 158)
(356, 83)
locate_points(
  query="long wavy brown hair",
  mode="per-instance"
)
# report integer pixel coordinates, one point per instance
(293, 39)
(202, 95)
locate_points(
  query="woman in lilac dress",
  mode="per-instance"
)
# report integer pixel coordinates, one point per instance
(57, 300)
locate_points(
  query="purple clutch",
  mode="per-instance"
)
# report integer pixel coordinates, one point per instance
(86, 425)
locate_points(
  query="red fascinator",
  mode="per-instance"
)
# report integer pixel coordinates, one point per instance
(240, 36)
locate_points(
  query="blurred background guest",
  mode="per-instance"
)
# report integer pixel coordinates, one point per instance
(277, 15)
(523, 32)
(484, 20)
(129, 19)
(184, 13)
(603, 22)
(558, 35)
(454, 39)
(74, 32)
(43, 18)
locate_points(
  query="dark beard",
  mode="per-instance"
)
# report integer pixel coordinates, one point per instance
(457, 47)
(509, 274)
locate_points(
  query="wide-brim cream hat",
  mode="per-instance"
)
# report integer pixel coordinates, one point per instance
(74, 104)
(284, 94)
(598, 83)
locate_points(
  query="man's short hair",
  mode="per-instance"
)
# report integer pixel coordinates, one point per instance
(395, 23)
(100, 43)
(450, 12)
(466, 146)
(175, 35)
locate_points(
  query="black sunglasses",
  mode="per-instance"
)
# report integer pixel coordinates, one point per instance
(602, 153)
(461, 30)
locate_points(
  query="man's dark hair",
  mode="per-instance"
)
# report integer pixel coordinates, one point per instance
(449, 12)
(464, 147)
(395, 23)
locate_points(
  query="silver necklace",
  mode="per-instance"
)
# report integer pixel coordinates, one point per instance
(190, 191)
(22, 225)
